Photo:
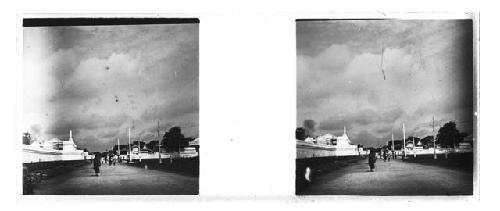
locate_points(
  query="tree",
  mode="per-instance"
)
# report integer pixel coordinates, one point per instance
(153, 145)
(428, 141)
(310, 128)
(300, 134)
(26, 138)
(137, 143)
(448, 135)
(173, 140)
(398, 144)
(411, 138)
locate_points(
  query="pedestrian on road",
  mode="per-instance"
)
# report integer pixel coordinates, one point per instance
(389, 155)
(385, 154)
(115, 159)
(97, 163)
(110, 158)
(372, 158)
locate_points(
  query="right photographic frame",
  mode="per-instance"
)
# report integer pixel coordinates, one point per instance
(386, 107)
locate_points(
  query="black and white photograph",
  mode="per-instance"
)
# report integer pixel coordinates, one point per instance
(110, 106)
(385, 107)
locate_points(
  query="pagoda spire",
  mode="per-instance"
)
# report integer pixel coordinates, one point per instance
(70, 136)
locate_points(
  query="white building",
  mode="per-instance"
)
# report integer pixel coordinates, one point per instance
(52, 150)
(338, 146)
(325, 139)
(344, 141)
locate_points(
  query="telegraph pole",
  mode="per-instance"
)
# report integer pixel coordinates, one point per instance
(129, 148)
(392, 137)
(414, 145)
(118, 148)
(139, 151)
(404, 142)
(434, 138)
(159, 143)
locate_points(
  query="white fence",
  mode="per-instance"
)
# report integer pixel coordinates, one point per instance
(33, 156)
(307, 150)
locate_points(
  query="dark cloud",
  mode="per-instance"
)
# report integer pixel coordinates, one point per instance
(372, 76)
(74, 93)
(366, 138)
(67, 37)
(185, 104)
(362, 118)
(108, 134)
(64, 123)
(98, 81)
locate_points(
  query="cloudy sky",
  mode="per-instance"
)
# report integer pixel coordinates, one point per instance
(100, 80)
(371, 76)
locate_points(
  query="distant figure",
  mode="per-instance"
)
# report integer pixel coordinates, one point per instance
(97, 163)
(389, 155)
(115, 159)
(110, 159)
(372, 158)
(386, 152)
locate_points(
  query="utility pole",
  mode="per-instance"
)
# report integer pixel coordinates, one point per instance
(118, 148)
(392, 137)
(139, 151)
(434, 138)
(159, 143)
(404, 142)
(129, 147)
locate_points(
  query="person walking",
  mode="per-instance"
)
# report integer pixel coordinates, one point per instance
(372, 158)
(385, 154)
(115, 159)
(110, 158)
(97, 163)
(389, 155)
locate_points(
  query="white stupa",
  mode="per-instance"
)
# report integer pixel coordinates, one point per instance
(326, 146)
(53, 143)
(69, 145)
(343, 141)
(52, 150)
(325, 139)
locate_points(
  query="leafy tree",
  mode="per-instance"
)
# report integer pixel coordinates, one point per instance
(153, 145)
(411, 138)
(398, 144)
(300, 134)
(310, 128)
(428, 141)
(26, 138)
(137, 143)
(448, 135)
(173, 140)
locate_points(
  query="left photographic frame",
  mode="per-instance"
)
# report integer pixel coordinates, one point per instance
(110, 106)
